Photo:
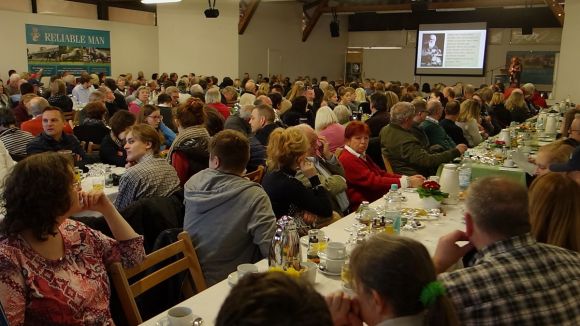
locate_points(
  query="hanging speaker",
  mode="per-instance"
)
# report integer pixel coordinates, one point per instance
(334, 29)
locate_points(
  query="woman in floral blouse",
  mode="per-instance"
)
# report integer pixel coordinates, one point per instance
(54, 270)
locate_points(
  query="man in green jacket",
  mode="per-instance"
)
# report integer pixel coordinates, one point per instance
(404, 151)
(436, 134)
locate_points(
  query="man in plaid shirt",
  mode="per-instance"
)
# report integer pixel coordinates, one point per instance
(513, 280)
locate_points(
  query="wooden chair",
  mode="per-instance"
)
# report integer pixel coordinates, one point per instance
(257, 175)
(128, 292)
(93, 148)
(388, 166)
(69, 115)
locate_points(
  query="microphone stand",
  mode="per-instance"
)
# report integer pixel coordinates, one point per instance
(492, 70)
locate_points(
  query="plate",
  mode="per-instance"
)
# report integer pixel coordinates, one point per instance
(325, 272)
(304, 241)
(233, 279)
(421, 214)
(118, 170)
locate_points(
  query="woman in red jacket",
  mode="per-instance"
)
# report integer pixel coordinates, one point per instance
(365, 180)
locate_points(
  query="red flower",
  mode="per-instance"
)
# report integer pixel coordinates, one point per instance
(430, 185)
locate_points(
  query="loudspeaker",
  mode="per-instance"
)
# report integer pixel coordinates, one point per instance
(527, 30)
(334, 29)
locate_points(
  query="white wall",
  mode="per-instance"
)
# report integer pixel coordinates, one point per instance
(277, 27)
(133, 47)
(189, 42)
(567, 82)
(399, 64)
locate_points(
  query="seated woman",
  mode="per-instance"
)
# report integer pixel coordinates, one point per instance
(326, 125)
(189, 152)
(556, 152)
(287, 151)
(112, 146)
(54, 270)
(93, 127)
(516, 105)
(395, 284)
(343, 114)
(330, 98)
(147, 174)
(365, 180)
(58, 96)
(554, 211)
(151, 115)
(142, 99)
(469, 120)
(298, 113)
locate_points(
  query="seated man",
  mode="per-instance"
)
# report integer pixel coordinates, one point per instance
(53, 138)
(448, 123)
(13, 138)
(239, 121)
(330, 171)
(431, 127)
(147, 174)
(229, 218)
(574, 132)
(34, 126)
(571, 168)
(262, 123)
(513, 280)
(405, 152)
(274, 299)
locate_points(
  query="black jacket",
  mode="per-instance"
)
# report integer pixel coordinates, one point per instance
(44, 143)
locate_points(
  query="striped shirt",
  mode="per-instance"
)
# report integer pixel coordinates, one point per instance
(16, 140)
(517, 282)
(151, 177)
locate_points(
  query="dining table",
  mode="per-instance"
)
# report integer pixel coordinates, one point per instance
(87, 185)
(207, 304)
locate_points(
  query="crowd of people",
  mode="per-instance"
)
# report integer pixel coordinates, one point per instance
(326, 147)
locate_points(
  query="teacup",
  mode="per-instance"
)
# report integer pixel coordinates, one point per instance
(335, 250)
(333, 265)
(177, 316)
(509, 163)
(244, 269)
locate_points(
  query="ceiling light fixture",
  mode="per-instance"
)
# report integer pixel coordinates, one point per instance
(148, 2)
(211, 12)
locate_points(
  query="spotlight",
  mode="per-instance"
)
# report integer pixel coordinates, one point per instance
(211, 12)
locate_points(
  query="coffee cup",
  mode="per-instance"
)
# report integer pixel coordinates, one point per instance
(333, 265)
(509, 163)
(177, 316)
(244, 269)
(335, 250)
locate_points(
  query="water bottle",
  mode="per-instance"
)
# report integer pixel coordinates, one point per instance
(393, 211)
(465, 173)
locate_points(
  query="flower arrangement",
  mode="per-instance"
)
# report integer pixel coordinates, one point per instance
(432, 189)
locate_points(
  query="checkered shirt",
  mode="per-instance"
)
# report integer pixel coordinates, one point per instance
(518, 282)
(151, 177)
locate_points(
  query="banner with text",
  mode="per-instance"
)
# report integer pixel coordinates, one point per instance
(60, 49)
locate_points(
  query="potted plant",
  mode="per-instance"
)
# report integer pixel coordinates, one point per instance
(431, 195)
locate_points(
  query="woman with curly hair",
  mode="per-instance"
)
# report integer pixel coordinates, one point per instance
(54, 270)
(287, 152)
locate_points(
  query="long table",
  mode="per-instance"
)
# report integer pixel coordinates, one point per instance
(207, 303)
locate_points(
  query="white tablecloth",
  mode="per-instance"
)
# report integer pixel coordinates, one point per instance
(87, 184)
(207, 303)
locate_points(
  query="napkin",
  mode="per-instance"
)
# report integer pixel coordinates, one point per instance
(522, 162)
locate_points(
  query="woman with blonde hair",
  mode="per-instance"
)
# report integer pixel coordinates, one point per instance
(287, 152)
(297, 90)
(555, 211)
(392, 99)
(516, 105)
(58, 96)
(556, 152)
(395, 284)
(499, 114)
(469, 120)
(264, 88)
(326, 125)
(330, 98)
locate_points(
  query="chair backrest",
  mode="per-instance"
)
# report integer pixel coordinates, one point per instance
(257, 175)
(69, 115)
(388, 166)
(128, 292)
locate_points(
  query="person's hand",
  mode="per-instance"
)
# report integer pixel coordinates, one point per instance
(342, 309)
(462, 148)
(307, 168)
(324, 148)
(95, 201)
(415, 181)
(448, 252)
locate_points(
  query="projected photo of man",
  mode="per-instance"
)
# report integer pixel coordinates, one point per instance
(432, 50)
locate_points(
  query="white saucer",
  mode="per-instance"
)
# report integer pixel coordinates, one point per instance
(325, 272)
(233, 279)
(509, 166)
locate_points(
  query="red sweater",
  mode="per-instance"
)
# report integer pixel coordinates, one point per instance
(364, 179)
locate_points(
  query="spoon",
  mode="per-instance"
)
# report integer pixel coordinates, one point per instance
(198, 321)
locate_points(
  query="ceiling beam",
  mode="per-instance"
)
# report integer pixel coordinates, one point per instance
(557, 9)
(309, 21)
(246, 14)
(437, 5)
